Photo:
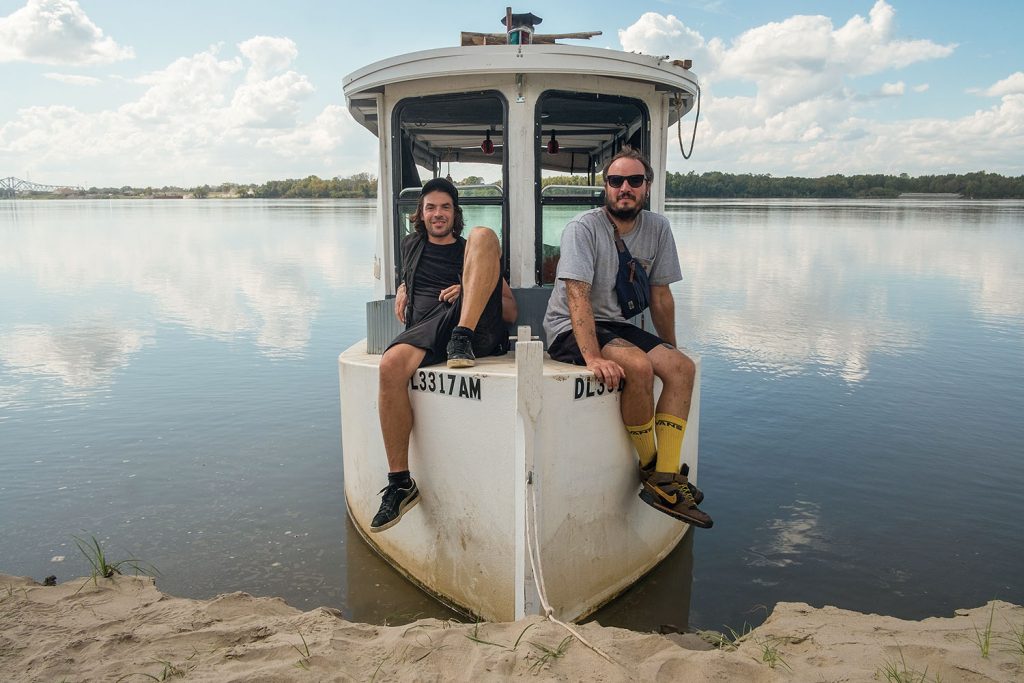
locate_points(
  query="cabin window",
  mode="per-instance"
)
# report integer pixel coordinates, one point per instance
(458, 136)
(575, 133)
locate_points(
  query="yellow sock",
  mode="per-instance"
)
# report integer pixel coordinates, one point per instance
(642, 437)
(669, 431)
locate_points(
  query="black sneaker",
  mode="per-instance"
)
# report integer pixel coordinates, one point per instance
(646, 472)
(670, 494)
(460, 351)
(397, 501)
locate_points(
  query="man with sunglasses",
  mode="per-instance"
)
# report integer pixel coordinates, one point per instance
(585, 326)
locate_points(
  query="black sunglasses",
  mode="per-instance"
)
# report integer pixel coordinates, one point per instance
(633, 180)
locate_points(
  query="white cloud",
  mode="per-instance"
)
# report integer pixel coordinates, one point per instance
(271, 96)
(190, 85)
(988, 139)
(893, 89)
(1011, 85)
(268, 55)
(271, 103)
(72, 79)
(56, 32)
(800, 60)
(868, 46)
(807, 113)
(806, 56)
(202, 119)
(654, 34)
(320, 136)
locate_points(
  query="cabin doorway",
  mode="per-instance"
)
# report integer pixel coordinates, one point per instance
(460, 137)
(575, 133)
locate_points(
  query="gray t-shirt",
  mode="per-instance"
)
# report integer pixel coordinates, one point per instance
(588, 254)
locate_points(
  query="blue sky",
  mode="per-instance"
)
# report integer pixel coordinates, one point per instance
(98, 92)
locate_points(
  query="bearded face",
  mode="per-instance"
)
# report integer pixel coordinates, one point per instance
(625, 202)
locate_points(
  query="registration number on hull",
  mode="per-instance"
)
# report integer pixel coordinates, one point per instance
(446, 384)
(587, 387)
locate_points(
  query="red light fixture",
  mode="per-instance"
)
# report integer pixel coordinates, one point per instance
(487, 147)
(552, 144)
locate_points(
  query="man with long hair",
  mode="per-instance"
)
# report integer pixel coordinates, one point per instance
(585, 325)
(454, 304)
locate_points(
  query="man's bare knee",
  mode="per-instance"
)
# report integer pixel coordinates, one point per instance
(671, 364)
(396, 366)
(483, 239)
(685, 364)
(640, 372)
(638, 368)
(676, 366)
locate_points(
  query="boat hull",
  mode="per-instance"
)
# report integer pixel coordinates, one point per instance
(509, 456)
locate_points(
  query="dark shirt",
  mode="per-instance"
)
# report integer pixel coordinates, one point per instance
(440, 267)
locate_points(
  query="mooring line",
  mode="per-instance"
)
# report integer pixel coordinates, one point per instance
(538, 576)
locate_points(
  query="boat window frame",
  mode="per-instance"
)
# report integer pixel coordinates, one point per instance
(540, 201)
(398, 220)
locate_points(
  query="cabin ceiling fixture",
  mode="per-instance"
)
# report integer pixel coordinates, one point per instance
(552, 144)
(487, 147)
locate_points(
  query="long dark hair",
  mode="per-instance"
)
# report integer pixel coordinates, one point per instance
(416, 218)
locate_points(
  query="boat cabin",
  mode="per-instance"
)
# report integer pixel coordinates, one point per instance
(507, 116)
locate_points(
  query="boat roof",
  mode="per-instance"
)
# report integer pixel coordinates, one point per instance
(531, 109)
(565, 61)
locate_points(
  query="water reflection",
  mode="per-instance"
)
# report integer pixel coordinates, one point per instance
(377, 594)
(661, 600)
(83, 356)
(219, 269)
(787, 537)
(198, 341)
(792, 288)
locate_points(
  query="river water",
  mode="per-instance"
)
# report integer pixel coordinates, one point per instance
(168, 385)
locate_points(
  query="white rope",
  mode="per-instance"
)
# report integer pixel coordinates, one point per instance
(538, 576)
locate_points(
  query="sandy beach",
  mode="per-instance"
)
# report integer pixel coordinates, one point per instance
(125, 629)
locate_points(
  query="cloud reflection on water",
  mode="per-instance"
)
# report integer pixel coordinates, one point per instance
(83, 356)
(784, 288)
(226, 270)
(790, 288)
(789, 536)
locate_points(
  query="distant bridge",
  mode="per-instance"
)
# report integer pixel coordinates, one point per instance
(10, 187)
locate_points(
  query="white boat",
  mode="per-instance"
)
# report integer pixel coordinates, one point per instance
(528, 480)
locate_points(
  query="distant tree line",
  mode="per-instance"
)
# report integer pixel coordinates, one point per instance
(566, 180)
(360, 185)
(980, 185)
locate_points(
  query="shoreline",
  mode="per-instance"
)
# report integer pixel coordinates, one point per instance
(124, 628)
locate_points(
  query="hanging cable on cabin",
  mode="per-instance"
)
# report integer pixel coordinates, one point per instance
(679, 123)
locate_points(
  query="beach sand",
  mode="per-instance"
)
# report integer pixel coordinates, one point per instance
(125, 629)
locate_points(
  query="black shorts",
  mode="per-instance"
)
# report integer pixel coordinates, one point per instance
(432, 332)
(565, 349)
